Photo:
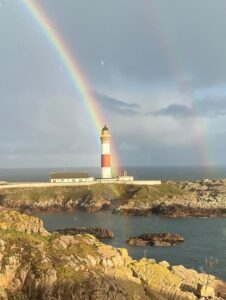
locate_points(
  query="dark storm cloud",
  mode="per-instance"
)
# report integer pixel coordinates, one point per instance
(173, 110)
(118, 106)
(208, 107)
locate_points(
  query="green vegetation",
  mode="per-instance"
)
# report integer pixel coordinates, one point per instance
(71, 197)
(67, 272)
(82, 249)
(37, 194)
(149, 194)
(54, 196)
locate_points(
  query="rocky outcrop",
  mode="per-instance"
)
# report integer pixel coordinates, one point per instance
(129, 211)
(176, 282)
(182, 211)
(165, 239)
(37, 267)
(12, 220)
(99, 233)
(204, 198)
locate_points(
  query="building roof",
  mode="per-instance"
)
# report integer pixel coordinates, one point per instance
(69, 175)
(105, 127)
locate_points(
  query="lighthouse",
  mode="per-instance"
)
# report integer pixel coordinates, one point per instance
(105, 153)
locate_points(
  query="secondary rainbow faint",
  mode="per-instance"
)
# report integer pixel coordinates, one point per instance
(73, 70)
(173, 59)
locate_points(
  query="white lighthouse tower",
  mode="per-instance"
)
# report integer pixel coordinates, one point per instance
(105, 154)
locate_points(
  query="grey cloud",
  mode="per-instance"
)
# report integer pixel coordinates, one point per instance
(117, 106)
(42, 125)
(155, 40)
(174, 110)
(208, 107)
(212, 107)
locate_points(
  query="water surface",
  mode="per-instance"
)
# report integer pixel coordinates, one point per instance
(161, 173)
(204, 237)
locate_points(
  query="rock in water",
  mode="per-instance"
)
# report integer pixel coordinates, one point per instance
(99, 233)
(164, 239)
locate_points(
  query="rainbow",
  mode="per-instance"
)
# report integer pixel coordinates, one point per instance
(73, 70)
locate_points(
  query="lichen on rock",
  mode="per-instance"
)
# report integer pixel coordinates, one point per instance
(13, 220)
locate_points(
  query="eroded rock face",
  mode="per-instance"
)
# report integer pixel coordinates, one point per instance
(13, 220)
(88, 198)
(99, 233)
(220, 289)
(166, 282)
(204, 198)
(182, 211)
(156, 239)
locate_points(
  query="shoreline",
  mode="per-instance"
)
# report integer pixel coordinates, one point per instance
(205, 198)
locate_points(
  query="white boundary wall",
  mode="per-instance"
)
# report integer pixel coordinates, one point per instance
(43, 184)
(141, 182)
(48, 184)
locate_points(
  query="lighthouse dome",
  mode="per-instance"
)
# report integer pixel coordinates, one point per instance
(105, 129)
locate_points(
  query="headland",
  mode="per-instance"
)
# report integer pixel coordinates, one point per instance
(204, 198)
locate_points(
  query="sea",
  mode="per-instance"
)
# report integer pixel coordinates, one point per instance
(205, 238)
(162, 173)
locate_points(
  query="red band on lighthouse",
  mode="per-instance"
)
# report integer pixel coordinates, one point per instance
(105, 160)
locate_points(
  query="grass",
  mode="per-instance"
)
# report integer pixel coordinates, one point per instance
(67, 272)
(30, 196)
(57, 197)
(148, 194)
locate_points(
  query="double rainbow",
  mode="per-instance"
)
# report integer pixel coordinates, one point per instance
(72, 68)
(174, 62)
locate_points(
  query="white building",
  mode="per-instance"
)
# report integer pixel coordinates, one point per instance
(125, 177)
(70, 177)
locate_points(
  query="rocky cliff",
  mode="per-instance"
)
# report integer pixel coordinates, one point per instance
(35, 265)
(175, 199)
(202, 198)
(89, 198)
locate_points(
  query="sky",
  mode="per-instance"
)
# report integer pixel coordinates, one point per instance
(156, 68)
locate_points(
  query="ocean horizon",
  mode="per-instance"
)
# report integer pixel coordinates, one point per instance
(164, 173)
